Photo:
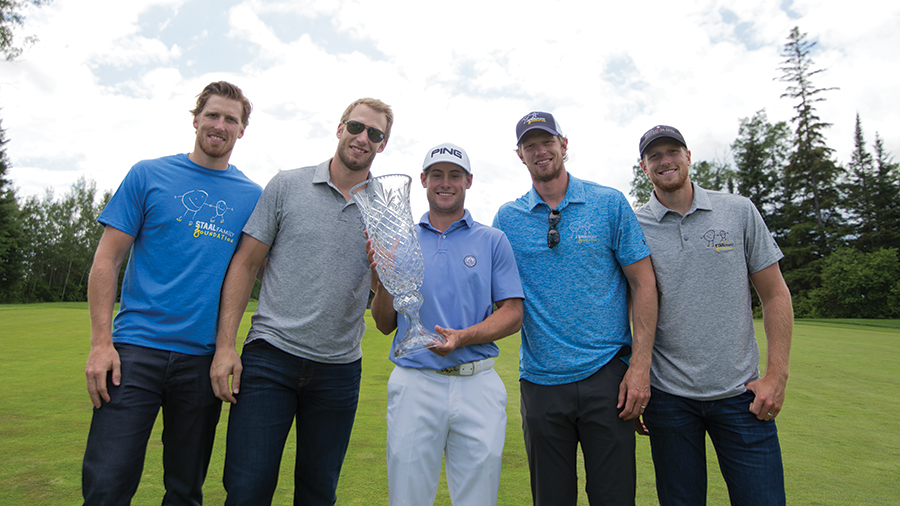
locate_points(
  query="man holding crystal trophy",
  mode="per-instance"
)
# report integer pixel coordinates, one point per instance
(302, 358)
(448, 271)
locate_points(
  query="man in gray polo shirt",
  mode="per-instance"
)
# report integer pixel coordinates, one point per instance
(707, 248)
(302, 356)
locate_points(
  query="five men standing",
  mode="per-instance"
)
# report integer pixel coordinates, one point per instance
(573, 250)
(450, 402)
(707, 249)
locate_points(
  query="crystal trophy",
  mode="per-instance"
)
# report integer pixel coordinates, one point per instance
(384, 204)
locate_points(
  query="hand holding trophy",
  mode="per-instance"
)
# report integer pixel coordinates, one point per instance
(384, 204)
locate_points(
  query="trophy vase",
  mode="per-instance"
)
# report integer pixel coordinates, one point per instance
(384, 204)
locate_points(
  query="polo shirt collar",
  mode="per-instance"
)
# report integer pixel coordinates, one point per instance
(322, 174)
(699, 202)
(574, 194)
(465, 221)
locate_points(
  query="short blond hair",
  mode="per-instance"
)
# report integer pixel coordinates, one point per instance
(379, 106)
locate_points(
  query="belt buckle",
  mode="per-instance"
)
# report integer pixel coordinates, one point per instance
(467, 369)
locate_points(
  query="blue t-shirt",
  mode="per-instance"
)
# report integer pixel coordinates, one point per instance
(186, 221)
(467, 268)
(576, 312)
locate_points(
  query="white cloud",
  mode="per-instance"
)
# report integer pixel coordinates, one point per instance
(463, 72)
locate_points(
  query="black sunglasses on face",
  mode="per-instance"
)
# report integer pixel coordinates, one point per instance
(355, 127)
(553, 234)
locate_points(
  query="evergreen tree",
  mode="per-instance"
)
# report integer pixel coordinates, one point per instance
(885, 200)
(760, 154)
(859, 192)
(715, 176)
(810, 171)
(10, 231)
(11, 234)
(810, 195)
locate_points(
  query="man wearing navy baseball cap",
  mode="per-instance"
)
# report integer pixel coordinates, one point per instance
(707, 249)
(450, 402)
(580, 252)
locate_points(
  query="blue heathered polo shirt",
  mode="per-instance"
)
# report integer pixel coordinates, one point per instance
(468, 267)
(576, 312)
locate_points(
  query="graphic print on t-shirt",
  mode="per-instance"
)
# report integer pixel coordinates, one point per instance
(194, 201)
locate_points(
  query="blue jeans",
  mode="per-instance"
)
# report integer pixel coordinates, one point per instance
(120, 429)
(747, 448)
(277, 387)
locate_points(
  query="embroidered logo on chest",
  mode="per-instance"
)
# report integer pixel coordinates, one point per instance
(718, 240)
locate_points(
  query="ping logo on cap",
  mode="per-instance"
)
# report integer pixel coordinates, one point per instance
(447, 151)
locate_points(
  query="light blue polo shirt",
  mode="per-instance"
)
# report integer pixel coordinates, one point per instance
(576, 312)
(468, 267)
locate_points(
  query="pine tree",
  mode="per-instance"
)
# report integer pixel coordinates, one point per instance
(10, 231)
(885, 199)
(760, 154)
(810, 195)
(859, 191)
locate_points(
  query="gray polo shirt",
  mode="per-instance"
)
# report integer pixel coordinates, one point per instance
(705, 346)
(316, 284)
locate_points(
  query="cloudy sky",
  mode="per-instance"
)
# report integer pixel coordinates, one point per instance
(110, 81)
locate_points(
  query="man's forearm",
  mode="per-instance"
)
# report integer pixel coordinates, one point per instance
(644, 323)
(645, 308)
(102, 288)
(233, 301)
(383, 311)
(505, 321)
(778, 321)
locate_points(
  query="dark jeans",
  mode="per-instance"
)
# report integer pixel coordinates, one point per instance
(748, 450)
(117, 443)
(555, 418)
(277, 387)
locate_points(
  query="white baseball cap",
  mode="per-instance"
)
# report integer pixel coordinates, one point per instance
(447, 152)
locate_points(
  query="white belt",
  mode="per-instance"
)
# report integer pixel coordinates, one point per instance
(468, 369)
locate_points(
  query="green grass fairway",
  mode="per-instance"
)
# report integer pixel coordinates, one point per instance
(840, 433)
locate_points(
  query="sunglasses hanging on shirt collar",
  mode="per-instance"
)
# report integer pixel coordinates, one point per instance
(553, 234)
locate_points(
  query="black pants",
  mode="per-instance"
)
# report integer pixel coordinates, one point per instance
(556, 418)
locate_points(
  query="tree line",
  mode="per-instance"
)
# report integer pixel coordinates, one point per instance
(47, 243)
(838, 226)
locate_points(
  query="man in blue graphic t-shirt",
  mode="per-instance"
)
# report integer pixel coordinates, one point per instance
(180, 218)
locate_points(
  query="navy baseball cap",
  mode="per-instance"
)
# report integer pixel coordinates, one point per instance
(660, 132)
(537, 120)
